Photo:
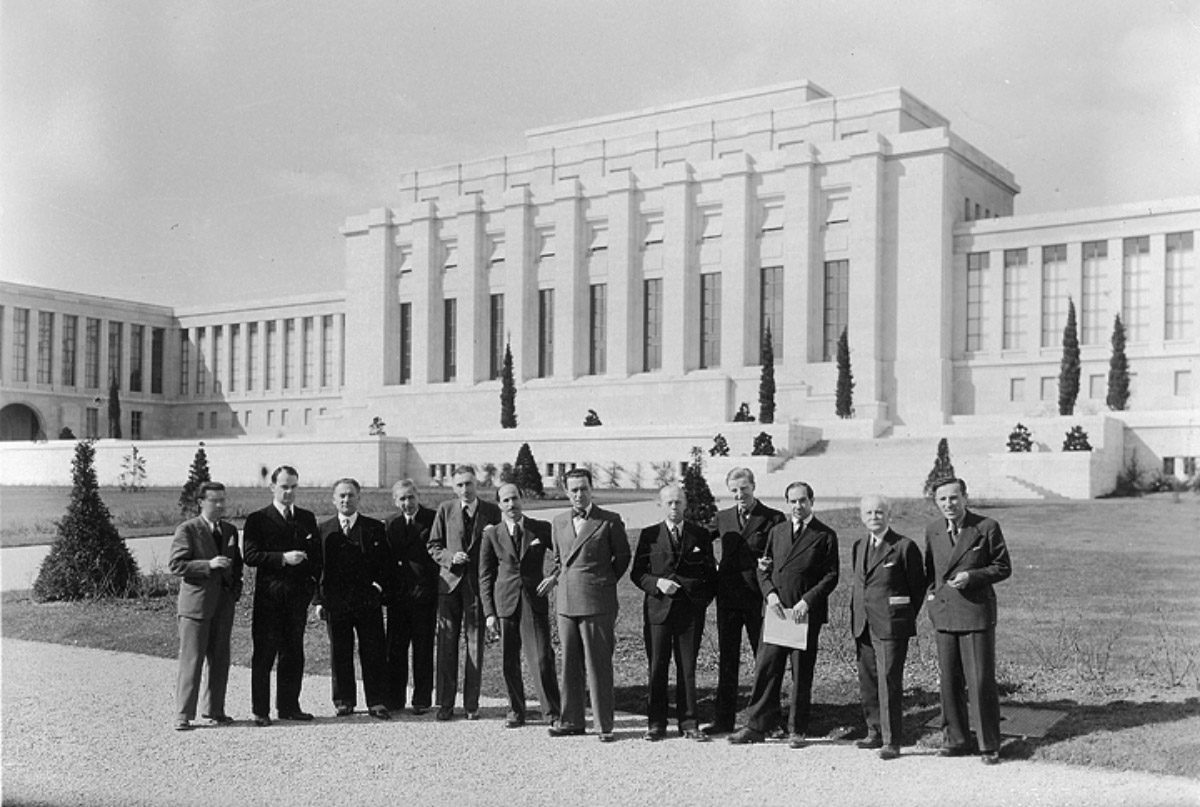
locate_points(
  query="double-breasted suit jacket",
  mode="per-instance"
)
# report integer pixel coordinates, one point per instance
(411, 609)
(736, 551)
(416, 573)
(448, 537)
(691, 565)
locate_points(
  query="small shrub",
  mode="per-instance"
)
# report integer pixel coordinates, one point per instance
(1076, 440)
(943, 468)
(508, 474)
(636, 476)
(592, 419)
(763, 446)
(720, 447)
(197, 475)
(664, 473)
(742, 415)
(66, 434)
(133, 472)
(1020, 440)
(526, 475)
(377, 428)
(701, 506)
(487, 474)
(612, 474)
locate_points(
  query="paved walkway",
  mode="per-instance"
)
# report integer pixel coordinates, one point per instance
(93, 727)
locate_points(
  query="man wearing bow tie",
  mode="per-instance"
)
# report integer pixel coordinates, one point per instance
(888, 590)
(673, 565)
(454, 543)
(513, 585)
(204, 552)
(965, 555)
(353, 568)
(591, 552)
(742, 532)
(798, 572)
(277, 539)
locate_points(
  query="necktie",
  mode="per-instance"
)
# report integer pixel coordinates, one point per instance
(466, 514)
(289, 516)
(953, 531)
(741, 517)
(673, 531)
(345, 522)
(216, 534)
(516, 536)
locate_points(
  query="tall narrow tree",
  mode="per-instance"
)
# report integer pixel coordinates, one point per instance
(114, 408)
(942, 470)
(845, 378)
(766, 381)
(508, 392)
(1118, 369)
(197, 474)
(701, 506)
(1068, 373)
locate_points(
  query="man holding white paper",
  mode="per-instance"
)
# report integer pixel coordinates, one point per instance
(797, 573)
(888, 587)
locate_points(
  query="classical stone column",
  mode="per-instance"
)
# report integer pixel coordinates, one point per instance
(372, 335)
(866, 275)
(571, 288)
(739, 280)
(624, 276)
(428, 330)
(681, 279)
(802, 216)
(473, 302)
(520, 287)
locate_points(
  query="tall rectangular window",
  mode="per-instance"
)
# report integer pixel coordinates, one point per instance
(1054, 293)
(271, 350)
(1135, 288)
(597, 329)
(158, 338)
(1016, 264)
(70, 348)
(308, 378)
(405, 343)
(253, 368)
(450, 340)
(652, 317)
(545, 333)
(327, 350)
(91, 423)
(1091, 316)
(289, 353)
(115, 332)
(185, 350)
(218, 336)
(710, 319)
(91, 354)
(977, 265)
(201, 359)
(1180, 308)
(771, 307)
(496, 331)
(45, 347)
(135, 425)
(20, 344)
(236, 368)
(837, 305)
(137, 334)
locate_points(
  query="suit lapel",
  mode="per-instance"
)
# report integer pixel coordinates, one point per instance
(807, 538)
(967, 536)
(585, 533)
(874, 559)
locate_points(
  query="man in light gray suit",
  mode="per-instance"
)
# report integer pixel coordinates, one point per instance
(591, 552)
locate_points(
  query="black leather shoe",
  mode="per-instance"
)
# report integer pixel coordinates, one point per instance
(797, 741)
(746, 736)
(713, 729)
(990, 758)
(473, 715)
(344, 711)
(301, 716)
(262, 721)
(220, 720)
(419, 710)
(889, 752)
(514, 722)
(607, 737)
(559, 730)
(379, 713)
(183, 725)
(871, 741)
(953, 751)
(445, 714)
(654, 734)
(696, 736)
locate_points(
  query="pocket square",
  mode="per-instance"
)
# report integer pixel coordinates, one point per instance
(535, 542)
(898, 601)
(886, 565)
(695, 549)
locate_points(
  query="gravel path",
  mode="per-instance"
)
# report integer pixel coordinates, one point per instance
(93, 727)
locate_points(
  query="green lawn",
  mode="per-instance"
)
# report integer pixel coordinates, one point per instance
(1101, 619)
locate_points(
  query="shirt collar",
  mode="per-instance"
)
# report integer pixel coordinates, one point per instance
(469, 506)
(587, 512)
(510, 523)
(282, 509)
(802, 524)
(347, 521)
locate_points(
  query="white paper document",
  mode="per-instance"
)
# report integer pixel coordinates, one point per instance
(784, 632)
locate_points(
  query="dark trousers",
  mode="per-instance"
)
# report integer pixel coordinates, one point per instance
(367, 623)
(587, 648)
(410, 625)
(967, 662)
(459, 612)
(730, 624)
(278, 633)
(531, 631)
(678, 638)
(881, 684)
(769, 667)
(202, 640)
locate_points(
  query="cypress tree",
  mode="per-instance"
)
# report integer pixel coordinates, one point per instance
(845, 379)
(701, 506)
(197, 475)
(88, 558)
(114, 408)
(526, 475)
(766, 381)
(1118, 369)
(508, 392)
(942, 469)
(1068, 374)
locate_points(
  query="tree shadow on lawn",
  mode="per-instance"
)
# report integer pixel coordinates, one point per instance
(1086, 719)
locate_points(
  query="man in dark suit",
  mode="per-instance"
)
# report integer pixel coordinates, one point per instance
(204, 552)
(277, 539)
(742, 532)
(888, 591)
(965, 555)
(511, 570)
(454, 543)
(591, 552)
(797, 573)
(673, 565)
(412, 603)
(353, 568)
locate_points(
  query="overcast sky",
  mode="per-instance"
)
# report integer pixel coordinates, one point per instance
(192, 152)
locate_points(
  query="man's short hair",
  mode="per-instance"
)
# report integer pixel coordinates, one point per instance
(513, 485)
(579, 473)
(404, 484)
(951, 480)
(347, 480)
(464, 469)
(807, 489)
(205, 487)
(283, 469)
(739, 473)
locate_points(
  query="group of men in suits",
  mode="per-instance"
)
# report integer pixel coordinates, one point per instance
(473, 570)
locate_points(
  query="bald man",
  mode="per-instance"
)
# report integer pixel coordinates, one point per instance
(888, 587)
